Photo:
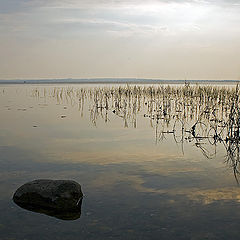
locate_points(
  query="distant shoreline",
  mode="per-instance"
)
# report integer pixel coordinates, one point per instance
(116, 81)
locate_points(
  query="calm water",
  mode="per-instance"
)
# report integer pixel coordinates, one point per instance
(139, 180)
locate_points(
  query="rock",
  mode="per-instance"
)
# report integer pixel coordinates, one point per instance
(50, 196)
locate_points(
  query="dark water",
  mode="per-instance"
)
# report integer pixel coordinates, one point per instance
(138, 181)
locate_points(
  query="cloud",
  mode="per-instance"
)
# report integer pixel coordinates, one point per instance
(99, 24)
(162, 32)
(114, 3)
(14, 6)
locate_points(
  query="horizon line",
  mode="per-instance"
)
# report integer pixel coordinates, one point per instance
(115, 78)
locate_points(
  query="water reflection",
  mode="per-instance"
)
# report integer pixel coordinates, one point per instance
(205, 116)
(72, 214)
(134, 189)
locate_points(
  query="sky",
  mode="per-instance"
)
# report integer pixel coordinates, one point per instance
(162, 39)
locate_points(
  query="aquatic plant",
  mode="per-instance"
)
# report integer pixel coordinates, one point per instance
(191, 113)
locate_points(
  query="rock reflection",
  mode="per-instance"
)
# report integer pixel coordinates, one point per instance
(63, 214)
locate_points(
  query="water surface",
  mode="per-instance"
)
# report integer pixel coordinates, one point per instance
(139, 180)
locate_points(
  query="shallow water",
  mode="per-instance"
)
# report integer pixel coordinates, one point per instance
(138, 182)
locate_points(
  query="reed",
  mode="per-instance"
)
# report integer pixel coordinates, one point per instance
(191, 113)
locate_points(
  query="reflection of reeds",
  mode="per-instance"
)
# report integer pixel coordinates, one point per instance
(204, 114)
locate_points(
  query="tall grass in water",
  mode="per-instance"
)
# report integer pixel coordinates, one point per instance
(190, 113)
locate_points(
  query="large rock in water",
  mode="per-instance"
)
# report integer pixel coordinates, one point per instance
(59, 198)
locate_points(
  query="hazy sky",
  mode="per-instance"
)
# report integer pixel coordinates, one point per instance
(167, 39)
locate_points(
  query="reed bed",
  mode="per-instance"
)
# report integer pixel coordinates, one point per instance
(188, 112)
(209, 106)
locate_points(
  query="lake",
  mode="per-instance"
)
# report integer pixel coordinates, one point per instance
(154, 162)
